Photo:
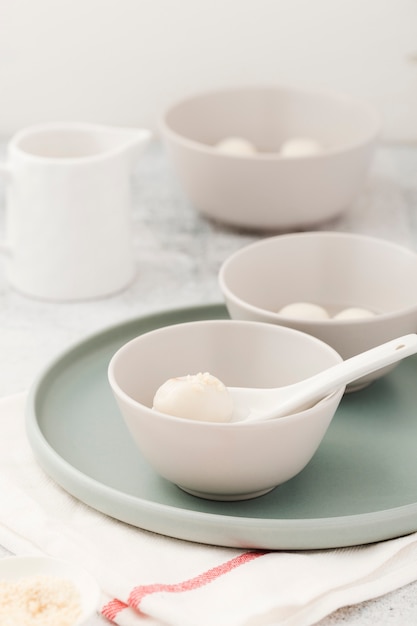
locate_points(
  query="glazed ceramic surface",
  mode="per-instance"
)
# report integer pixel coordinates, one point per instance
(265, 190)
(334, 270)
(233, 460)
(360, 487)
(68, 210)
(256, 404)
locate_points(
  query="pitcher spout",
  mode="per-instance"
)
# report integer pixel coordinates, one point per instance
(131, 141)
(135, 141)
(128, 138)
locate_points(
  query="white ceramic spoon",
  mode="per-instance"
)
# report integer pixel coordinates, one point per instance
(266, 404)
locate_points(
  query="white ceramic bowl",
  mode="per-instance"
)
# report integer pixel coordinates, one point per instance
(266, 190)
(15, 568)
(334, 270)
(222, 461)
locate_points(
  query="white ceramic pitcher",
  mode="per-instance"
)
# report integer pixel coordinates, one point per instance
(68, 209)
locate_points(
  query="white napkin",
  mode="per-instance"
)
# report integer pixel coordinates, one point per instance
(177, 583)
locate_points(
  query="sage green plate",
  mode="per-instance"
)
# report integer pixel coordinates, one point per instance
(360, 487)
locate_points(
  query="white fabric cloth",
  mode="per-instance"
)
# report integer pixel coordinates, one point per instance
(179, 583)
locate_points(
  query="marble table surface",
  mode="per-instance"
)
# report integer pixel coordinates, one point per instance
(178, 255)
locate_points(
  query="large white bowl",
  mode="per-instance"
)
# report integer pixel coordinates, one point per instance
(223, 461)
(266, 190)
(334, 270)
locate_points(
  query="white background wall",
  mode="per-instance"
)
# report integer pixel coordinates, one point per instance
(123, 61)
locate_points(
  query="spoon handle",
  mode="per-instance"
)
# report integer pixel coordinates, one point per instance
(318, 386)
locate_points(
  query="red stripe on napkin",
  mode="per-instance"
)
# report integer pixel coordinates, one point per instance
(113, 608)
(136, 596)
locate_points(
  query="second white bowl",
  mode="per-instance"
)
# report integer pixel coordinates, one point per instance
(333, 270)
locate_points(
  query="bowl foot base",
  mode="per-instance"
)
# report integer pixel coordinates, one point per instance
(227, 497)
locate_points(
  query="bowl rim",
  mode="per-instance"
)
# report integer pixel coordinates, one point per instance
(197, 424)
(368, 137)
(384, 316)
